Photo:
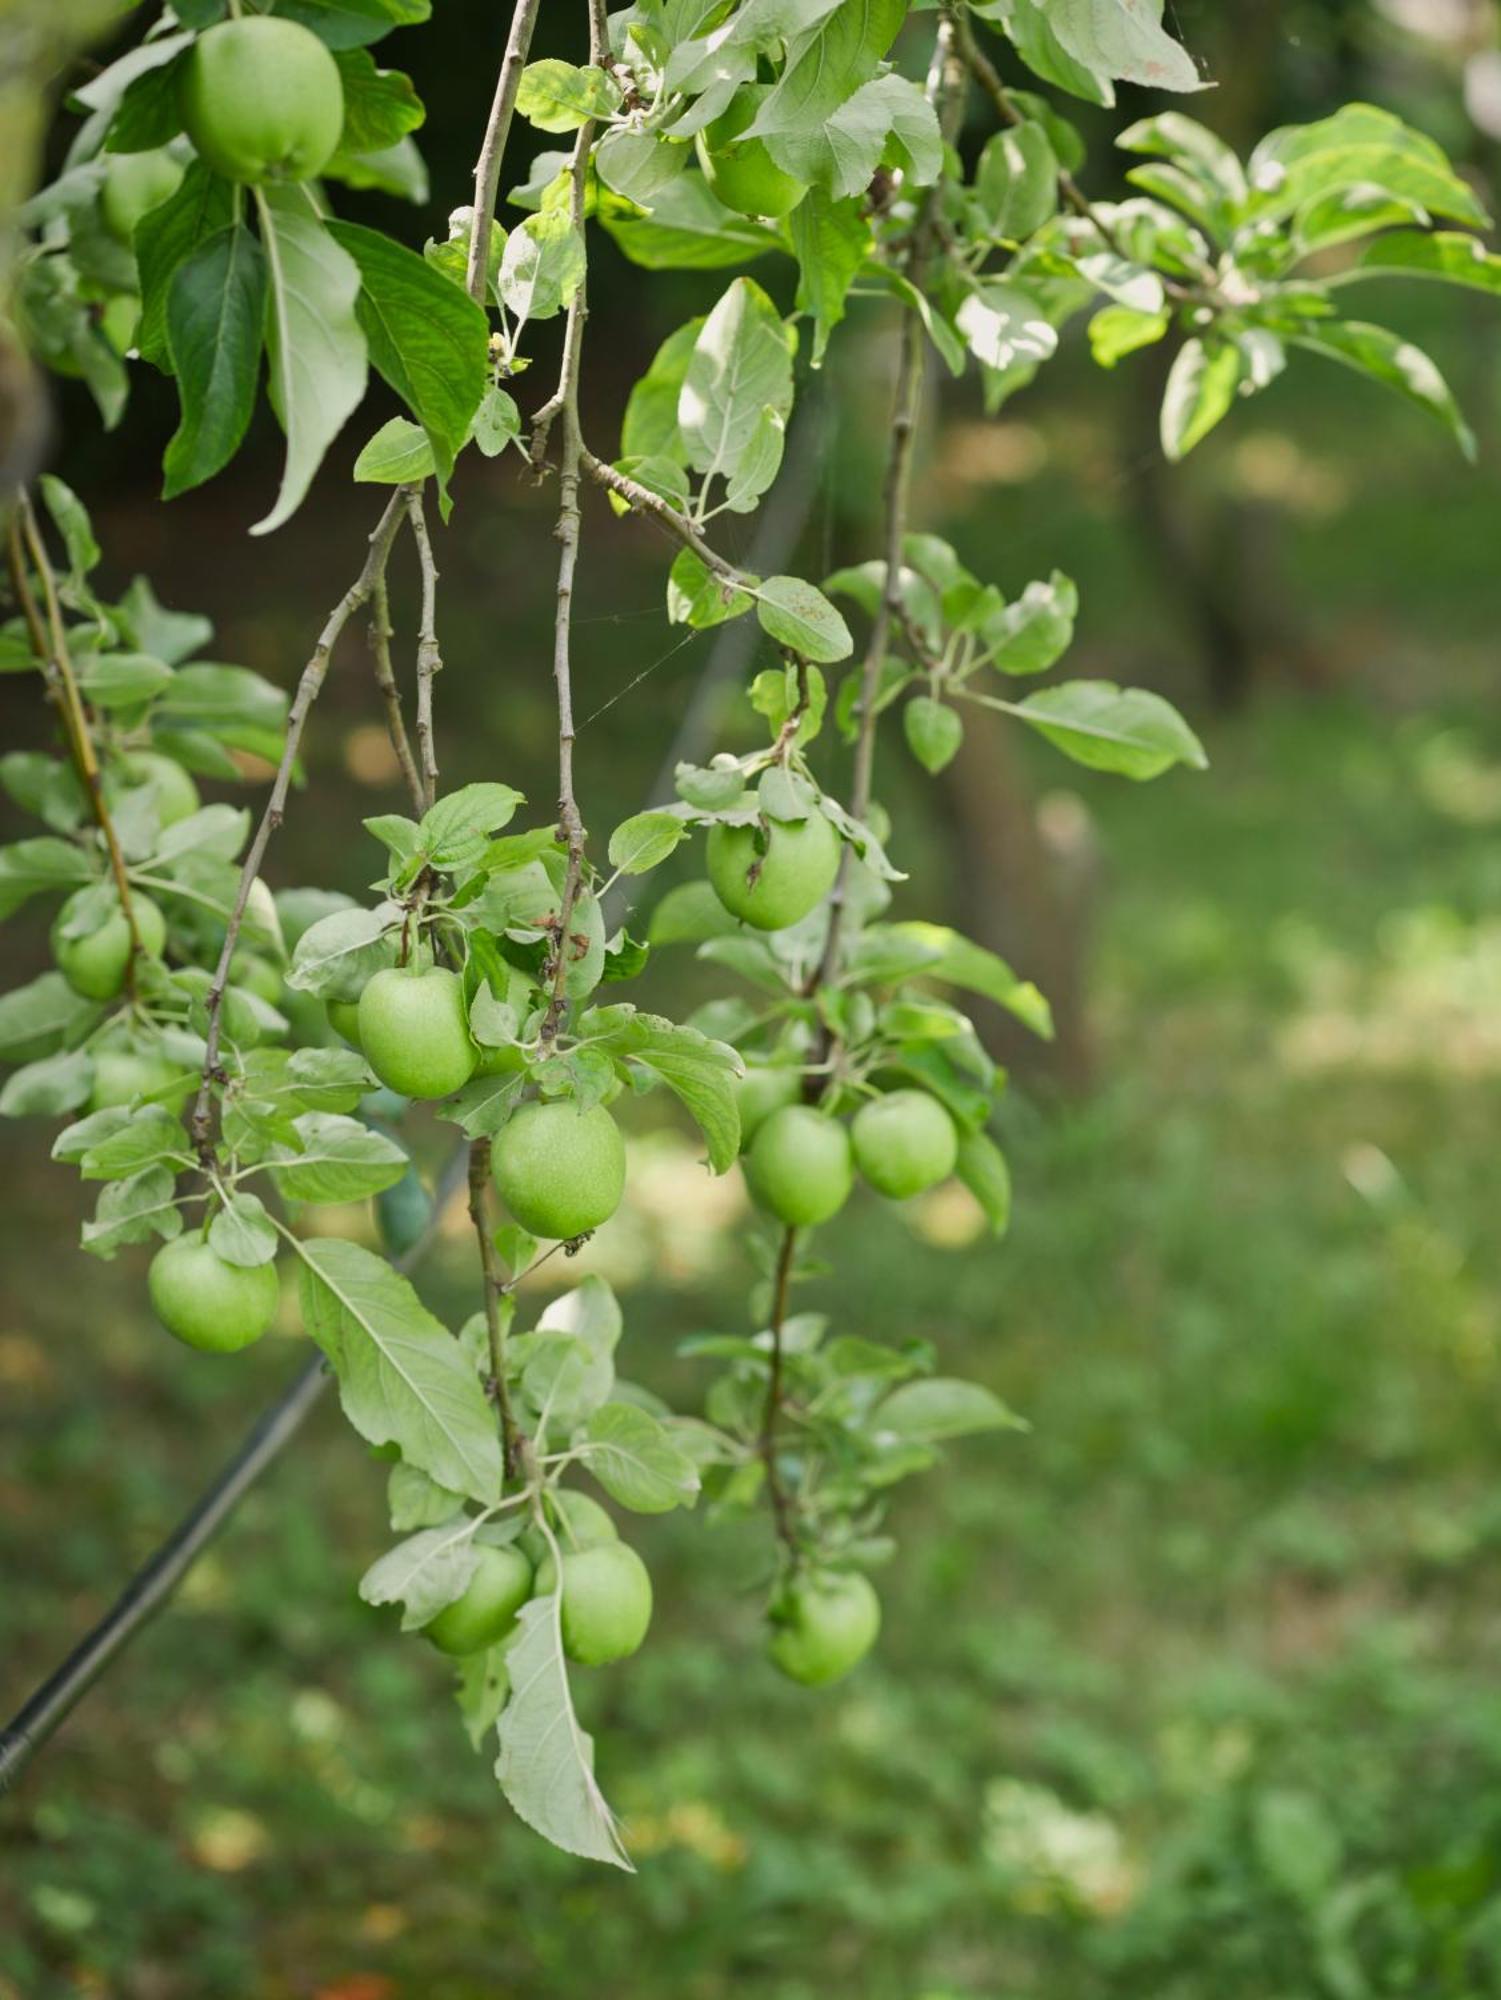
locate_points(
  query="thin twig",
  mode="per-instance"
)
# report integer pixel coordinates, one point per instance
(495, 1289)
(312, 679)
(943, 89)
(665, 516)
(381, 634)
(782, 1510)
(492, 151)
(429, 659)
(49, 641)
(570, 824)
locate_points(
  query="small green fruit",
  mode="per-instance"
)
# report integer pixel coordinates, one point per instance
(799, 1166)
(95, 965)
(256, 975)
(606, 1601)
(413, 1032)
(123, 1075)
(559, 1170)
(485, 1613)
(823, 1626)
(134, 184)
(765, 1087)
(741, 172)
(176, 794)
(578, 1521)
(344, 1019)
(207, 1303)
(262, 100)
(776, 885)
(904, 1142)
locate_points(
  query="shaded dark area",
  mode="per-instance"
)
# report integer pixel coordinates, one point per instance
(1189, 1693)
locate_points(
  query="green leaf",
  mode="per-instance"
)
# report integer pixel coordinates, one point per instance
(688, 914)
(122, 680)
(560, 97)
(941, 953)
(1385, 357)
(456, 831)
(831, 240)
(934, 732)
(1116, 331)
(650, 428)
(688, 229)
(1127, 730)
(152, 1137)
(887, 119)
(403, 1379)
(45, 1010)
(165, 238)
(982, 1168)
(697, 597)
(336, 955)
(1035, 632)
(216, 311)
(941, 1407)
(71, 519)
(741, 366)
(1360, 146)
(1016, 181)
(1027, 24)
(639, 165)
(339, 1159)
(825, 67)
(47, 1088)
(134, 1211)
(415, 1501)
(398, 455)
(314, 343)
(32, 867)
(1124, 40)
(243, 1233)
(1454, 258)
(546, 1762)
(1004, 326)
(1200, 391)
(425, 1572)
(347, 24)
(639, 844)
(380, 105)
(636, 1460)
(698, 1071)
(798, 615)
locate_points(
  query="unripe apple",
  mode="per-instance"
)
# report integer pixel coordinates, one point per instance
(123, 1075)
(823, 1626)
(579, 1522)
(904, 1142)
(95, 965)
(344, 1019)
(741, 172)
(208, 1303)
(413, 1032)
(485, 1613)
(262, 100)
(799, 1166)
(559, 1170)
(176, 794)
(777, 884)
(765, 1087)
(134, 184)
(606, 1601)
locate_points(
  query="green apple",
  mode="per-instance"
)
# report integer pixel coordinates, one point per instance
(824, 1625)
(123, 1075)
(262, 100)
(95, 965)
(799, 1166)
(208, 1303)
(413, 1032)
(765, 1087)
(606, 1601)
(773, 876)
(559, 1170)
(904, 1142)
(740, 171)
(134, 184)
(485, 1613)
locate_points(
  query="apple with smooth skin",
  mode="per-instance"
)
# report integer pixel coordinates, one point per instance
(95, 965)
(606, 1601)
(740, 171)
(413, 1032)
(501, 1584)
(207, 1303)
(262, 100)
(823, 1626)
(904, 1143)
(799, 1166)
(559, 1170)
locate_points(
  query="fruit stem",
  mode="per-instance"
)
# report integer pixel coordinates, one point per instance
(49, 641)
